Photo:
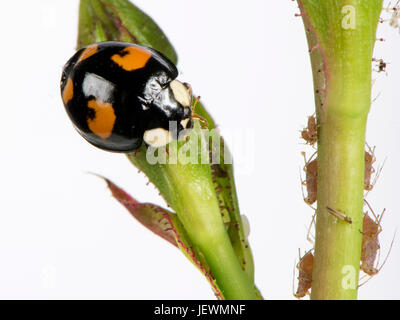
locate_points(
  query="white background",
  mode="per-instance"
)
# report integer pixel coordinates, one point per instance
(61, 233)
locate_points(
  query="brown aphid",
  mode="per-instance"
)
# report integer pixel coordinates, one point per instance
(380, 64)
(394, 21)
(309, 134)
(369, 169)
(305, 267)
(394, 10)
(370, 247)
(311, 170)
(339, 215)
(370, 242)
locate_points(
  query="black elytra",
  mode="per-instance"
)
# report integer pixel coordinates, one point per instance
(118, 94)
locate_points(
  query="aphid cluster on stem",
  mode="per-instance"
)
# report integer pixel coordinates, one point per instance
(311, 170)
(371, 227)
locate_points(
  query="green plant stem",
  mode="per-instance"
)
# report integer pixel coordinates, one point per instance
(199, 213)
(188, 188)
(234, 283)
(193, 198)
(341, 60)
(340, 183)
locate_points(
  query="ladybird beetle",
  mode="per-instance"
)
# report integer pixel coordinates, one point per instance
(118, 94)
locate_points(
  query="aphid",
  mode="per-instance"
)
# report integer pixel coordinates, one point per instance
(309, 134)
(370, 246)
(339, 215)
(394, 20)
(381, 65)
(311, 170)
(370, 170)
(370, 242)
(305, 267)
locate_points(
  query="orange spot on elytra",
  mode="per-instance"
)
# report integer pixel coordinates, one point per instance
(89, 51)
(131, 58)
(104, 118)
(68, 91)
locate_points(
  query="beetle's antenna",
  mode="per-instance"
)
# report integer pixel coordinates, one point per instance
(195, 103)
(196, 116)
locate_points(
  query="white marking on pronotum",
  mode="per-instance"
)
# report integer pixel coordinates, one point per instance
(157, 137)
(100, 88)
(184, 122)
(181, 93)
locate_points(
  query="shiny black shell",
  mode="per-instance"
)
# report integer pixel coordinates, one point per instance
(105, 90)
